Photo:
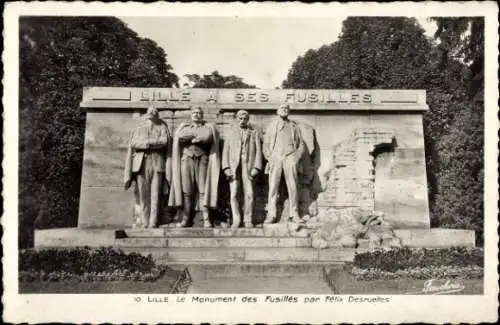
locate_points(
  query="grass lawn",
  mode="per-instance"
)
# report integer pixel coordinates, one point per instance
(346, 284)
(162, 285)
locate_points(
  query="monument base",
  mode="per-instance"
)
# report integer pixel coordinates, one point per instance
(232, 253)
(225, 244)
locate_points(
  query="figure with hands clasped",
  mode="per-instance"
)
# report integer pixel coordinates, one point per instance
(241, 163)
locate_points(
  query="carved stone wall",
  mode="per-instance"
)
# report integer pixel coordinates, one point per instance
(372, 154)
(351, 180)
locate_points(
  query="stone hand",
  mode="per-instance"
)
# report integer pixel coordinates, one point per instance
(195, 140)
(254, 172)
(229, 174)
(127, 184)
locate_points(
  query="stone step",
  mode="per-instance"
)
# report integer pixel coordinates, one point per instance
(213, 242)
(271, 230)
(212, 270)
(259, 285)
(244, 254)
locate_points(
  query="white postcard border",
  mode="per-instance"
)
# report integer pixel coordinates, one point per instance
(118, 308)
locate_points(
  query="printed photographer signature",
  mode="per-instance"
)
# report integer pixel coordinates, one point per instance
(439, 287)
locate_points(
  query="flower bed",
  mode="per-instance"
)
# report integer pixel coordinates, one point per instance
(410, 270)
(407, 258)
(86, 264)
(420, 263)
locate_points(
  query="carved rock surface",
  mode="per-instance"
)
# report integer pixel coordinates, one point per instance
(343, 228)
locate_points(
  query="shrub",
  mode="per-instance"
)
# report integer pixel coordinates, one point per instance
(405, 258)
(84, 260)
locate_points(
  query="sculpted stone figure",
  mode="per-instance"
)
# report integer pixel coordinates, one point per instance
(283, 148)
(241, 162)
(195, 168)
(148, 164)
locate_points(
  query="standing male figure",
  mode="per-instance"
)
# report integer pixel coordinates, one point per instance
(195, 168)
(241, 162)
(148, 163)
(283, 148)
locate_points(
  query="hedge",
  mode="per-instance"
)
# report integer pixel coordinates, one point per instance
(80, 261)
(408, 258)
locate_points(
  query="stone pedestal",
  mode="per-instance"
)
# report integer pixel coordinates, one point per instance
(228, 246)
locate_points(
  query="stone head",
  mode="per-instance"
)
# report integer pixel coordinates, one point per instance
(242, 117)
(152, 113)
(196, 114)
(283, 111)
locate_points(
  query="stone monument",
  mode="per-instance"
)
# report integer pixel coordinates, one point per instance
(362, 150)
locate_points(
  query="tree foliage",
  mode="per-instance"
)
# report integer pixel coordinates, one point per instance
(394, 53)
(58, 57)
(216, 80)
(459, 201)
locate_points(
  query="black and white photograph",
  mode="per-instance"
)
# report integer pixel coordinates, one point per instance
(234, 162)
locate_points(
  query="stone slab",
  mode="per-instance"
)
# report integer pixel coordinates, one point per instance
(243, 255)
(281, 254)
(259, 268)
(105, 207)
(322, 99)
(73, 237)
(336, 254)
(203, 254)
(106, 138)
(259, 285)
(273, 230)
(437, 237)
(141, 242)
(140, 232)
(239, 242)
(186, 242)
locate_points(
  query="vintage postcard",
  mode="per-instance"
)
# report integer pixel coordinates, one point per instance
(259, 162)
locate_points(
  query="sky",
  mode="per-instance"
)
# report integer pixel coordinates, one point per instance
(258, 49)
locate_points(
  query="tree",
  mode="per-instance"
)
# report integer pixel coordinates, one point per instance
(216, 80)
(459, 201)
(58, 57)
(371, 52)
(462, 38)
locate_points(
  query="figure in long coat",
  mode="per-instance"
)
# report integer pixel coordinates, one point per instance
(241, 163)
(195, 168)
(148, 163)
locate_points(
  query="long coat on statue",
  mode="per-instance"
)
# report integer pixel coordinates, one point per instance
(213, 169)
(161, 160)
